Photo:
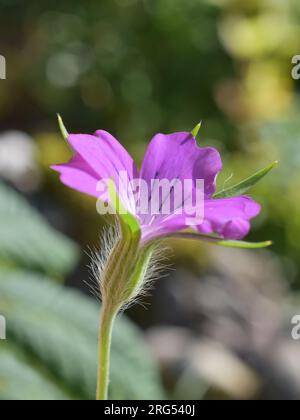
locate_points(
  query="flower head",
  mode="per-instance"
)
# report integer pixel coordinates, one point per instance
(175, 158)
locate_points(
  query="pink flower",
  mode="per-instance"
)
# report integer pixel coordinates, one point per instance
(173, 157)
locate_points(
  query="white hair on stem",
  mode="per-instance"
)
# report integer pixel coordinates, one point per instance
(156, 266)
(156, 269)
(109, 237)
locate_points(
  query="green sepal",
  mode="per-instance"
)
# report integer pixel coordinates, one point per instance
(196, 129)
(243, 244)
(245, 185)
(123, 263)
(140, 271)
(125, 216)
(219, 241)
(62, 127)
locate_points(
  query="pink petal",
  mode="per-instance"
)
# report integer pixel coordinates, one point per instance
(78, 175)
(177, 156)
(229, 217)
(98, 157)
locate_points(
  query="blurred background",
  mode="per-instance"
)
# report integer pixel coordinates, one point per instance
(216, 326)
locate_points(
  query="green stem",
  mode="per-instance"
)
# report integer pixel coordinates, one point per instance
(105, 332)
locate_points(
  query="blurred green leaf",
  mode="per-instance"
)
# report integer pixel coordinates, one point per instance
(27, 240)
(20, 380)
(242, 187)
(58, 328)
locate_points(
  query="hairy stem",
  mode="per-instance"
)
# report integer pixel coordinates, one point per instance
(105, 333)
